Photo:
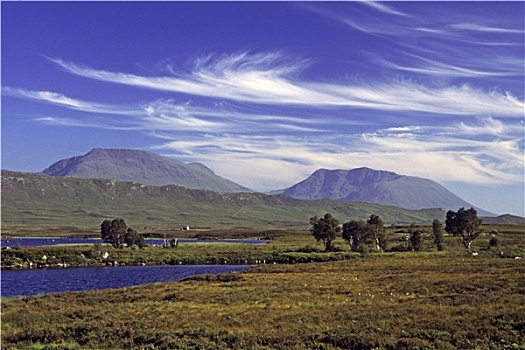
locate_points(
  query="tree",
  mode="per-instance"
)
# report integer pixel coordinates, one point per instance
(105, 230)
(416, 240)
(437, 230)
(494, 242)
(357, 234)
(325, 229)
(363, 236)
(463, 224)
(113, 232)
(133, 238)
(378, 231)
(415, 237)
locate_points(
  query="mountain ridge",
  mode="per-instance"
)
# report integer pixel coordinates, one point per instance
(377, 186)
(143, 167)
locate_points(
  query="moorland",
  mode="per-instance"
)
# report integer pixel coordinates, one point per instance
(308, 299)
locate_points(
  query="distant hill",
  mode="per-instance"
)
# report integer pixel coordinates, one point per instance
(504, 219)
(143, 167)
(377, 186)
(39, 202)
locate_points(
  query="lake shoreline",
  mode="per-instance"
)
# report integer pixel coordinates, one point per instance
(114, 264)
(29, 282)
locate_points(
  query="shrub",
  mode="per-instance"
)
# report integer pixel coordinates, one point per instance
(493, 242)
(399, 248)
(225, 277)
(308, 249)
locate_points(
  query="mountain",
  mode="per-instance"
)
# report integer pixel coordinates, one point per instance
(143, 167)
(35, 201)
(377, 186)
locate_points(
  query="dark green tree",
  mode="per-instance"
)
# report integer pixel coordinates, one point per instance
(134, 238)
(494, 242)
(325, 229)
(105, 230)
(415, 238)
(437, 230)
(378, 231)
(357, 234)
(464, 224)
(416, 242)
(113, 232)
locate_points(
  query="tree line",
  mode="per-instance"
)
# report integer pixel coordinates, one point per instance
(368, 236)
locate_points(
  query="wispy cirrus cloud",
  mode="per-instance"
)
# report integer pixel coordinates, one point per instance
(459, 46)
(381, 6)
(97, 123)
(489, 126)
(430, 67)
(485, 28)
(59, 99)
(51, 97)
(166, 115)
(488, 150)
(260, 80)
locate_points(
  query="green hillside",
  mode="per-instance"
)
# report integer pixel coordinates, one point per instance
(31, 201)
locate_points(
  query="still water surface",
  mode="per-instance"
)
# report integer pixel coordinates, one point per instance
(43, 281)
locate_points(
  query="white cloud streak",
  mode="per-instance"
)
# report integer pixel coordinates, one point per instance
(430, 67)
(59, 99)
(380, 6)
(253, 79)
(167, 116)
(485, 29)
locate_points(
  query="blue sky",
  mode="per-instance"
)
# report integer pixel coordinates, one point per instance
(266, 93)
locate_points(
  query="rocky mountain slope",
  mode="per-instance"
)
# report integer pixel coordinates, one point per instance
(375, 186)
(143, 167)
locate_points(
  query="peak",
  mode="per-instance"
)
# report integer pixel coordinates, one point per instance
(370, 170)
(114, 150)
(361, 170)
(365, 169)
(117, 152)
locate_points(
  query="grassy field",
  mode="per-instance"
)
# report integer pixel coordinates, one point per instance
(394, 300)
